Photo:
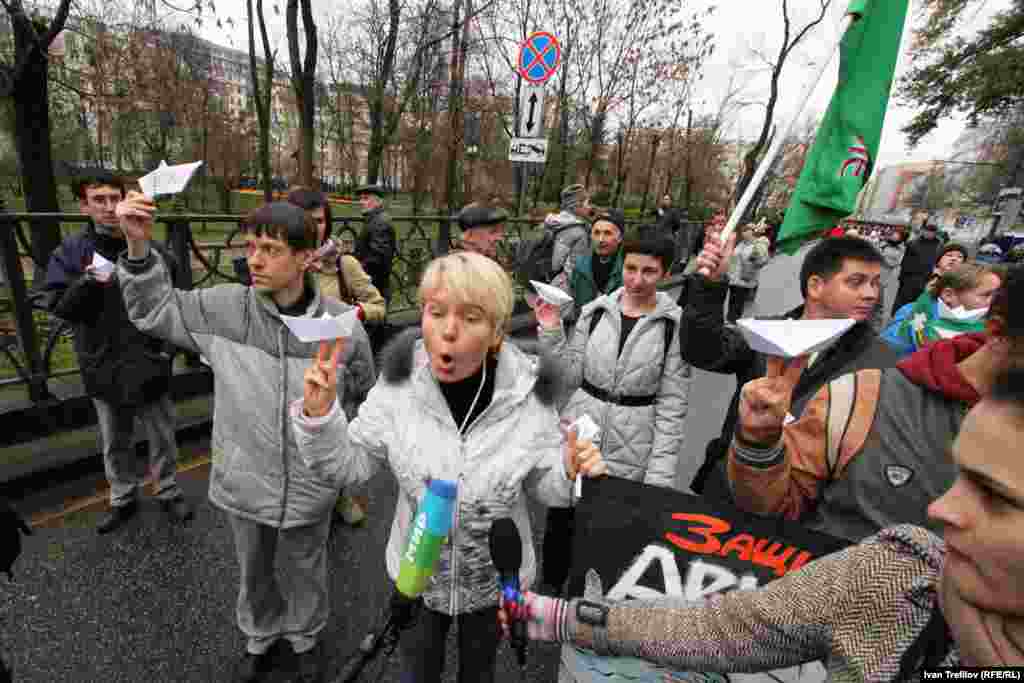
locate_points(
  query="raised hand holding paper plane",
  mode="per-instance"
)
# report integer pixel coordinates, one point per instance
(323, 328)
(167, 179)
(320, 381)
(102, 265)
(584, 429)
(765, 402)
(553, 295)
(792, 338)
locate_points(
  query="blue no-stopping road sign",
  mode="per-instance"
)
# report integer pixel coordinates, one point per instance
(539, 56)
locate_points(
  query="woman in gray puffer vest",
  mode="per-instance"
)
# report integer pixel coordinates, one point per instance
(623, 369)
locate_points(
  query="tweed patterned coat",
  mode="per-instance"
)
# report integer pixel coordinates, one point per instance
(860, 610)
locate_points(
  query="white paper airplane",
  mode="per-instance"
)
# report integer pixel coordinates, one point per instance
(167, 179)
(102, 265)
(320, 329)
(792, 338)
(551, 294)
(586, 430)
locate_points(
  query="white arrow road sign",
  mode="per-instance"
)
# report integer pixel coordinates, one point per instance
(531, 150)
(531, 110)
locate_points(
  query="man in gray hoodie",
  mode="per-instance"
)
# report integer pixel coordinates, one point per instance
(279, 509)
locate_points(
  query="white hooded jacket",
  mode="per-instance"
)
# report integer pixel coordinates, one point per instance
(513, 447)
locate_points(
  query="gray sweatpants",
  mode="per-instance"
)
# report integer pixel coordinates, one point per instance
(124, 471)
(292, 603)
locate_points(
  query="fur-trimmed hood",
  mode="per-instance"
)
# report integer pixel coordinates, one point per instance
(518, 370)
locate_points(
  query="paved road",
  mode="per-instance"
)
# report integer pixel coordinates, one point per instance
(156, 603)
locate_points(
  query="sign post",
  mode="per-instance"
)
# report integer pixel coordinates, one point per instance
(539, 58)
(531, 110)
(528, 150)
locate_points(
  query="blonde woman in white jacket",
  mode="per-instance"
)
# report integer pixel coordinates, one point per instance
(458, 405)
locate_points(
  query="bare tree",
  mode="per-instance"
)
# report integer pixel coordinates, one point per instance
(303, 78)
(791, 39)
(262, 91)
(26, 81)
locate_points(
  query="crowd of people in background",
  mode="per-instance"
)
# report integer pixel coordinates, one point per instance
(900, 431)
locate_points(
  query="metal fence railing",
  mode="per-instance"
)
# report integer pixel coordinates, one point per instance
(29, 334)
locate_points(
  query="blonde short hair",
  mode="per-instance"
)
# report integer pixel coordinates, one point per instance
(472, 279)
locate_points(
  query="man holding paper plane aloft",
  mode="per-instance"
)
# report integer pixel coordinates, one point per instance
(872, 448)
(839, 279)
(125, 372)
(259, 341)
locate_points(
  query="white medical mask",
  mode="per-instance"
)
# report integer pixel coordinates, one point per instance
(960, 313)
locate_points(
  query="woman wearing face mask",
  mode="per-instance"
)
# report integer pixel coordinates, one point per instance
(955, 303)
(458, 405)
(882, 610)
(624, 370)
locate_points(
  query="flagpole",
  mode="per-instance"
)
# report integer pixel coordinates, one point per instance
(780, 139)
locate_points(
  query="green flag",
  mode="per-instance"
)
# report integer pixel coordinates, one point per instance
(845, 147)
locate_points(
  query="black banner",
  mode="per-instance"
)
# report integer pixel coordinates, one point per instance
(649, 542)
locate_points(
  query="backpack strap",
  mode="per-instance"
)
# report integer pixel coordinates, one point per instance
(670, 330)
(594, 320)
(343, 291)
(841, 399)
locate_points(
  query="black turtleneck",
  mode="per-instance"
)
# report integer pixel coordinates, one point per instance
(602, 270)
(459, 395)
(299, 307)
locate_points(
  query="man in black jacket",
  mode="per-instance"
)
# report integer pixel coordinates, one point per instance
(125, 372)
(377, 243)
(917, 265)
(840, 278)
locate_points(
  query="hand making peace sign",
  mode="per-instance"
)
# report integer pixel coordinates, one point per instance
(765, 402)
(320, 382)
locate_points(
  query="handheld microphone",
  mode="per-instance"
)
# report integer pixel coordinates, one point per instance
(507, 555)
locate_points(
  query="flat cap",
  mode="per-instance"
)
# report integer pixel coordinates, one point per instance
(616, 217)
(479, 215)
(372, 189)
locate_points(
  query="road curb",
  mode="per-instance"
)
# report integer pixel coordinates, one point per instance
(99, 502)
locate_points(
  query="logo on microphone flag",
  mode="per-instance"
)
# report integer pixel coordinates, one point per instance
(845, 147)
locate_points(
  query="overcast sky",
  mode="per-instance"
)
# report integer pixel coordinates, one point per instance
(739, 25)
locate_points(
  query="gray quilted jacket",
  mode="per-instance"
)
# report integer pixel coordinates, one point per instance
(572, 240)
(513, 448)
(641, 443)
(258, 365)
